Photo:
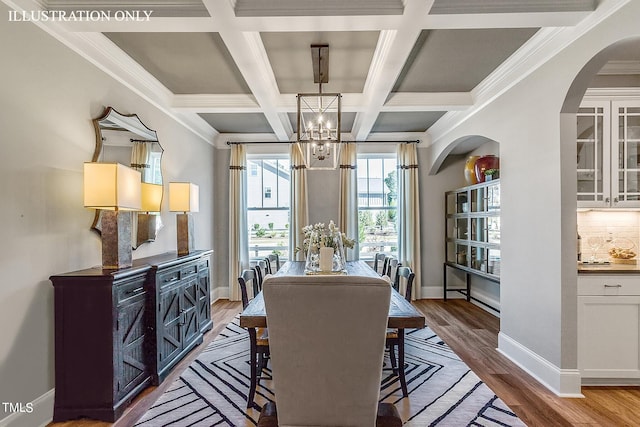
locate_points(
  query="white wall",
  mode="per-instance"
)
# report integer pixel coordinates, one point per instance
(48, 97)
(538, 278)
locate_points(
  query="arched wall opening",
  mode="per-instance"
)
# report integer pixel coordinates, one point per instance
(584, 82)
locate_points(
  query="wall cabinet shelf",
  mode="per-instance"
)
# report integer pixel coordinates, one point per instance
(473, 233)
(112, 326)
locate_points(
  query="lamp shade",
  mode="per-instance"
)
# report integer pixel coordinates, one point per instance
(184, 197)
(151, 197)
(111, 186)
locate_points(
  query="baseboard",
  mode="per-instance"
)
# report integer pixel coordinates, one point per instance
(41, 415)
(562, 382)
(219, 293)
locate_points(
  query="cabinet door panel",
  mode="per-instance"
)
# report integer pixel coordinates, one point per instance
(609, 336)
(191, 330)
(133, 368)
(169, 312)
(204, 299)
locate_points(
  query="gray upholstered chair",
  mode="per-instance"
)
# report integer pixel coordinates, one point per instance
(327, 339)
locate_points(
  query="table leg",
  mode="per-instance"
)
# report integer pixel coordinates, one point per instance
(252, 363)
(403, 381)
(444, 280)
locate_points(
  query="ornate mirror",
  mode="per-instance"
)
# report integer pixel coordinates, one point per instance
(125, 139)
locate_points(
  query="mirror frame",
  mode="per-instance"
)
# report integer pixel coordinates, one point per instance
(124, 122)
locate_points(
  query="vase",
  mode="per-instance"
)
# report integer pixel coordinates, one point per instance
(489, 161)
(470, 171)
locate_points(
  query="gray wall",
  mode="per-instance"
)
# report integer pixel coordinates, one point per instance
(48, 97)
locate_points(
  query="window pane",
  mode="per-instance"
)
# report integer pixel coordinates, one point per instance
(377, 193)
(268, 201)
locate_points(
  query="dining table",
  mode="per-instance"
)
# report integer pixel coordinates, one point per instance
(402, 314)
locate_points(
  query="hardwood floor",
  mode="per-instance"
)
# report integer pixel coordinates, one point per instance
(473, 334)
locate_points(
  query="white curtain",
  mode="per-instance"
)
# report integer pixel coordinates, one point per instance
(299, 205)
(141, 159)
(238, 239)
(348, 206)
(409, 212)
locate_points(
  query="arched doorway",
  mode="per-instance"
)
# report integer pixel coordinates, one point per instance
(605, 83)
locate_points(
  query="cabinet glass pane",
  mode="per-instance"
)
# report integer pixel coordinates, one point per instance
(462, 255)
(590, 154)
(478, 258)
(628, 154)
(462, 231)
(493, 197)
(586, 126)
(462, 203)
(477, 200)
(494, 262)
(493, 230)
(479, 229)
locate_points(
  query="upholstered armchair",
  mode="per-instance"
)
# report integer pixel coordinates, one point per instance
(327, 340)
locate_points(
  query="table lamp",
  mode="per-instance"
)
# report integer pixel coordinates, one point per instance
(115, 189)
(151, 202)
(184, 197)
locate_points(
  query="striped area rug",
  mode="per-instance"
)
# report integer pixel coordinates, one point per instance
(443, 391)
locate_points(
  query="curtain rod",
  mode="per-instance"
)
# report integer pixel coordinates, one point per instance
(414, 141)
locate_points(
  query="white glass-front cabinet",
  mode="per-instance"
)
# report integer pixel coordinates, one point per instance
(608, 155)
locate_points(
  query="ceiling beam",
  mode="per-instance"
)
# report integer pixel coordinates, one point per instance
(392, 52)
(250, 56)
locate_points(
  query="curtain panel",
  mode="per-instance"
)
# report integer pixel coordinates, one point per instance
(409, 212)
(238, 238)
(348, 206)
(299, 205)
(141, 159)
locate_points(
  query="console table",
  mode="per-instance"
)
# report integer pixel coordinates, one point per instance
(119, 331)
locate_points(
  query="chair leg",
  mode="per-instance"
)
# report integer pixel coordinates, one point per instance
(403, 382)
(392, 357)
(253, 365)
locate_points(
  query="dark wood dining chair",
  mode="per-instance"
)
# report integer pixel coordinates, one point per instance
(378, 262)
(261, 268)
(390, 266)
(258, 337)
(402, 283)
(273, 263)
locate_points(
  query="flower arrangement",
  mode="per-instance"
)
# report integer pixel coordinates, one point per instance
(320, 235)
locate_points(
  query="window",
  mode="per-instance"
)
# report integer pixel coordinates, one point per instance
(268, 203)
(377, 193)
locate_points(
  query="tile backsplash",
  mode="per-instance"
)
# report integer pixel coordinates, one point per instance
(621, 228)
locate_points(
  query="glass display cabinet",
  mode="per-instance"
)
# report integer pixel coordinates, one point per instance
(473, 233)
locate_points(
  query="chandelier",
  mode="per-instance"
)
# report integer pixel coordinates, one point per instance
(319, 117)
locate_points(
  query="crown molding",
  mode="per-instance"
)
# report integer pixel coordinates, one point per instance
(620, 68)
(428, 101)
(594, 94)
(215, 103)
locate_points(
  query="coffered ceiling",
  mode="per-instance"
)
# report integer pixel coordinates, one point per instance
(230, 69)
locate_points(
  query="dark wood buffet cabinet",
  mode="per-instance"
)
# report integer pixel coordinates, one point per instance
(119, 331)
